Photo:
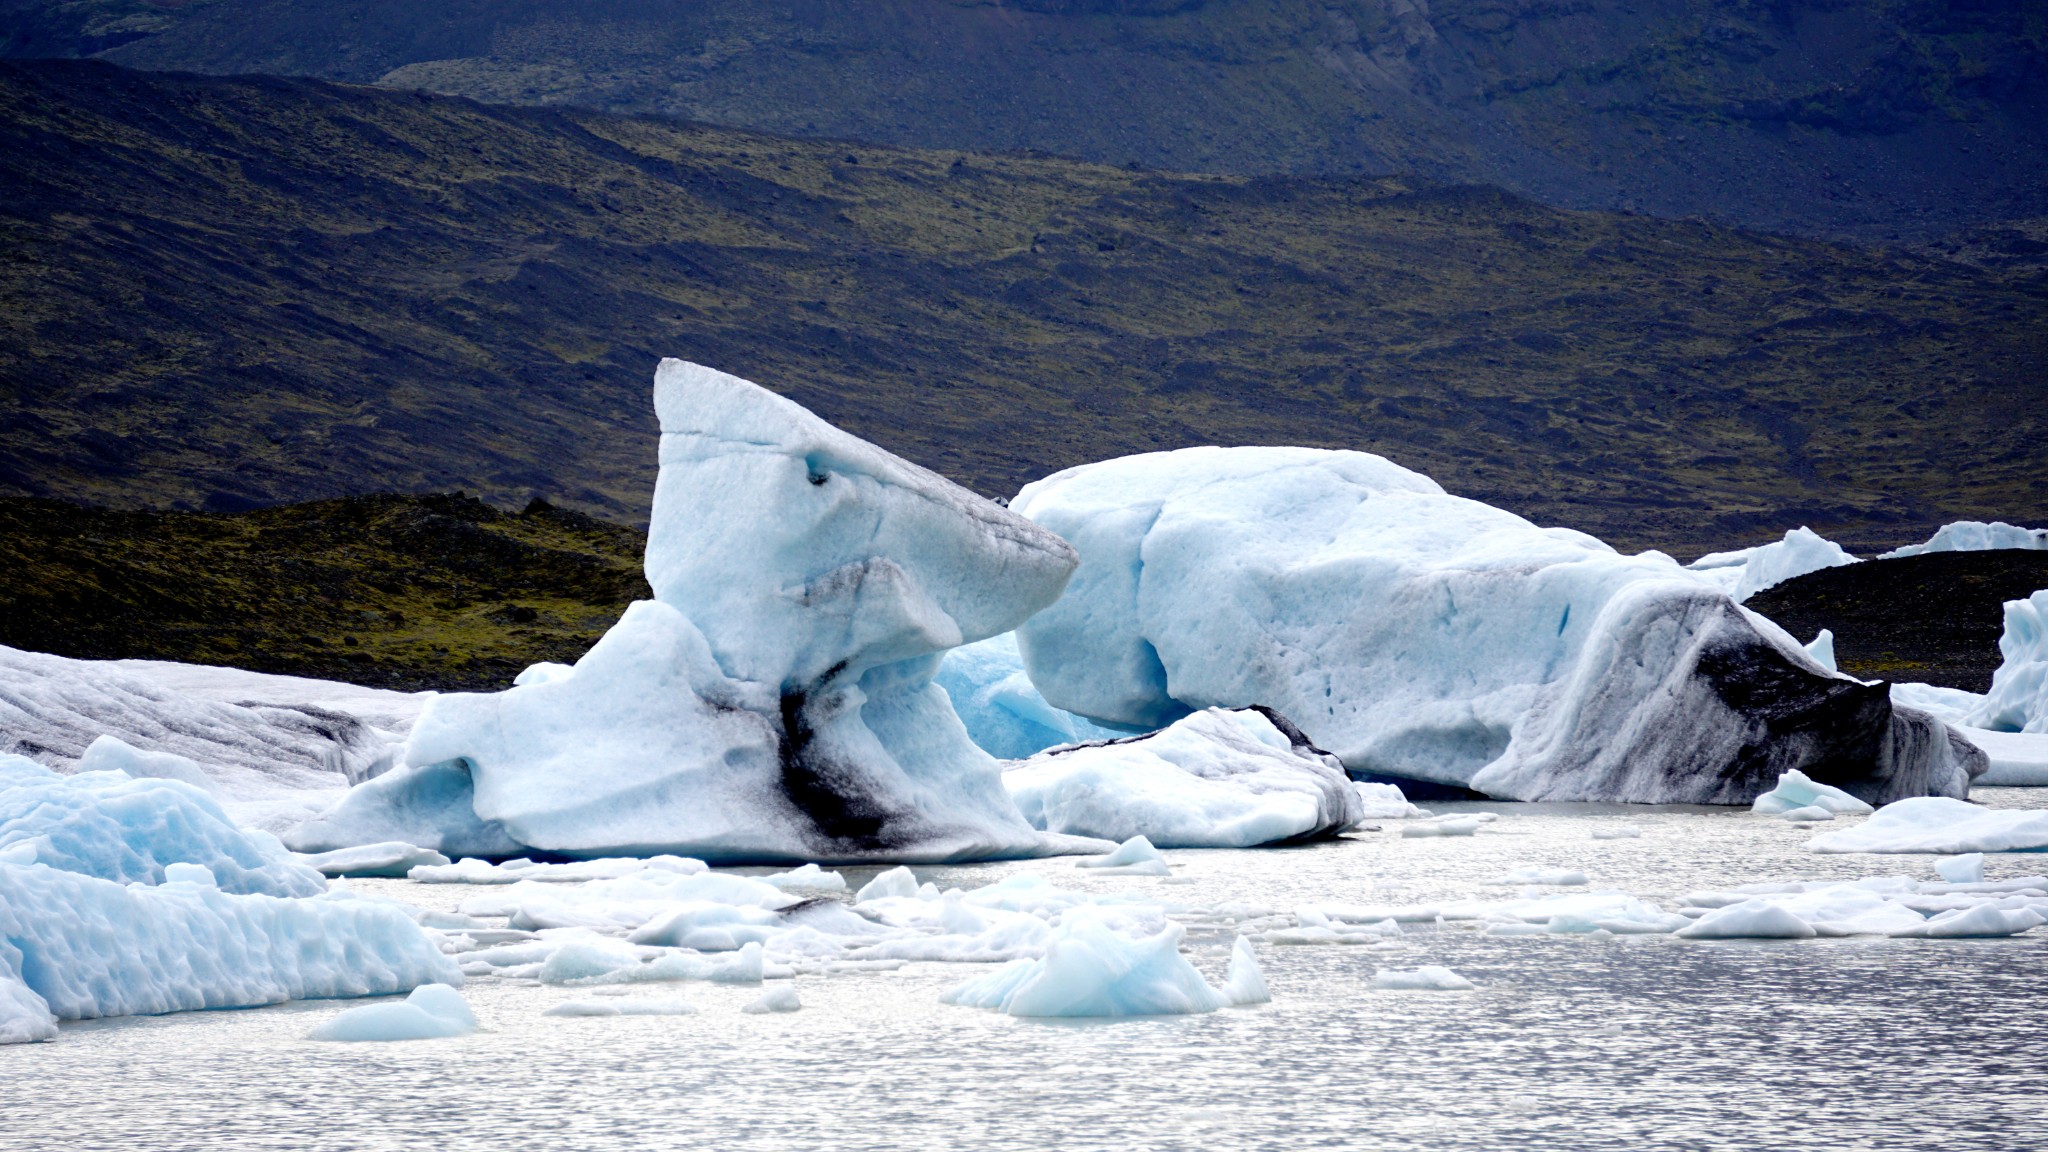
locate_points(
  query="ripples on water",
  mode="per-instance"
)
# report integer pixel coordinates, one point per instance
(1631, 1043)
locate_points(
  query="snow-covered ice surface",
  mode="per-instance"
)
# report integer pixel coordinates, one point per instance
(1748, 571)
(1216, 779)
(1576, 1036)
(1420, 635)
(1974, 536)
(775, 700)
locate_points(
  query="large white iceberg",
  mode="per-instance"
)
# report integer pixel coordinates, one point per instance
(110, 825)
(1000, 706)
(1420, 635)
(2018, 700)
(1974, 536)
(84, 947)
(1748, 571)
(1216, 779)
(774, 701)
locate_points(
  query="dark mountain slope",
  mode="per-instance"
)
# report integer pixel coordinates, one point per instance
(1869, 118)
(223, 293)
(398, 592)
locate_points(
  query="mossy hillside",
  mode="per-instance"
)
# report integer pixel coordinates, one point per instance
(229, 293)
(402, 592)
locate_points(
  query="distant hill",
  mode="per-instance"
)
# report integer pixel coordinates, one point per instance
(223, 294)
(1875, 119)
(438, 591)
(1935, 619)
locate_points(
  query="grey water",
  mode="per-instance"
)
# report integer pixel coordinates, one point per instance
(1569, 1042)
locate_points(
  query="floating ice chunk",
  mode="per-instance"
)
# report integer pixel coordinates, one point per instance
(1751, 570)
(2018, 759)
(1974, 536)
(1315, 926)
(1939, 825)
(1751, 919)
(1616, 912)
(709, 927)
(624, 1006)
(394, 858)
(2018, 700)
(1444, 826)
(1562, 877)
(110, 825)
(431, 1012)
(1617, 832)
(587, 960)
(1090, 969)
(1965, 869)
(1134, 857)
(1415, 634)
(90, 947)
(1215, 779)
(809, 878)
(897, 883)
(1984, 920)
(747, 966)
(1811, 814)
(782, 998)
(1000, 707)
(1429, 977)
(1245, 983)
(1796, 790)
(474, 871)
(1384, 802)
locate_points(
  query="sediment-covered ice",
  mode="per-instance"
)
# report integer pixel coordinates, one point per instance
(88, 947)
(110, 825)
(1216, 779)
(775, 700)
(52, 709)
(1940, 825)
(431, 1012)
(1091, 969)
(1974, 536)
(1000, 707)
(1748, 571)
(1419, 635)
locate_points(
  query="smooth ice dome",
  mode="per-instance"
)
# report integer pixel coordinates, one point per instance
(1940, 825)
(1420, 635)
(1746, 572)
(1091, 969)
(110, 825)
(1974, 536)
(775, 701)
(87, 947)
(1795, 790)
(431, 1012)
(1134, 857)
(1749, 920)
(1215, 779)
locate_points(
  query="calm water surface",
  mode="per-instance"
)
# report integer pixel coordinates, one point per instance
(1630, 1043)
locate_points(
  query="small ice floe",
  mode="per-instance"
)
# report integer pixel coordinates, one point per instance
(431, 1012)
(1796, 792)
(897, 883)
(1091, 969)
(1133, 857)
(1965, 869)
(1312, 926)
(1385, 802)
(1465, 825)
(809, 878)
(473, 871)
(1559, 877)
(1984, 920)
(1938, 824)
(392, 858)
(1749, 920)
(1811, 814)
(1618, 832)
(622, 1006)
(782, 998)
(1428, 978)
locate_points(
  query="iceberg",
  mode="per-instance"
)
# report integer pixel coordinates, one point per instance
(1215, 779)
(115, 827)
(1090, 969)
(2018, 700)
(431, 1012)
(1748, 571)
(775, 701)
(1795, 790)
(53, 709)
(1134, 857)
(1000, 707)
(87, 947)
(1418, 635)
(1940, 825)
(1974, 536)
